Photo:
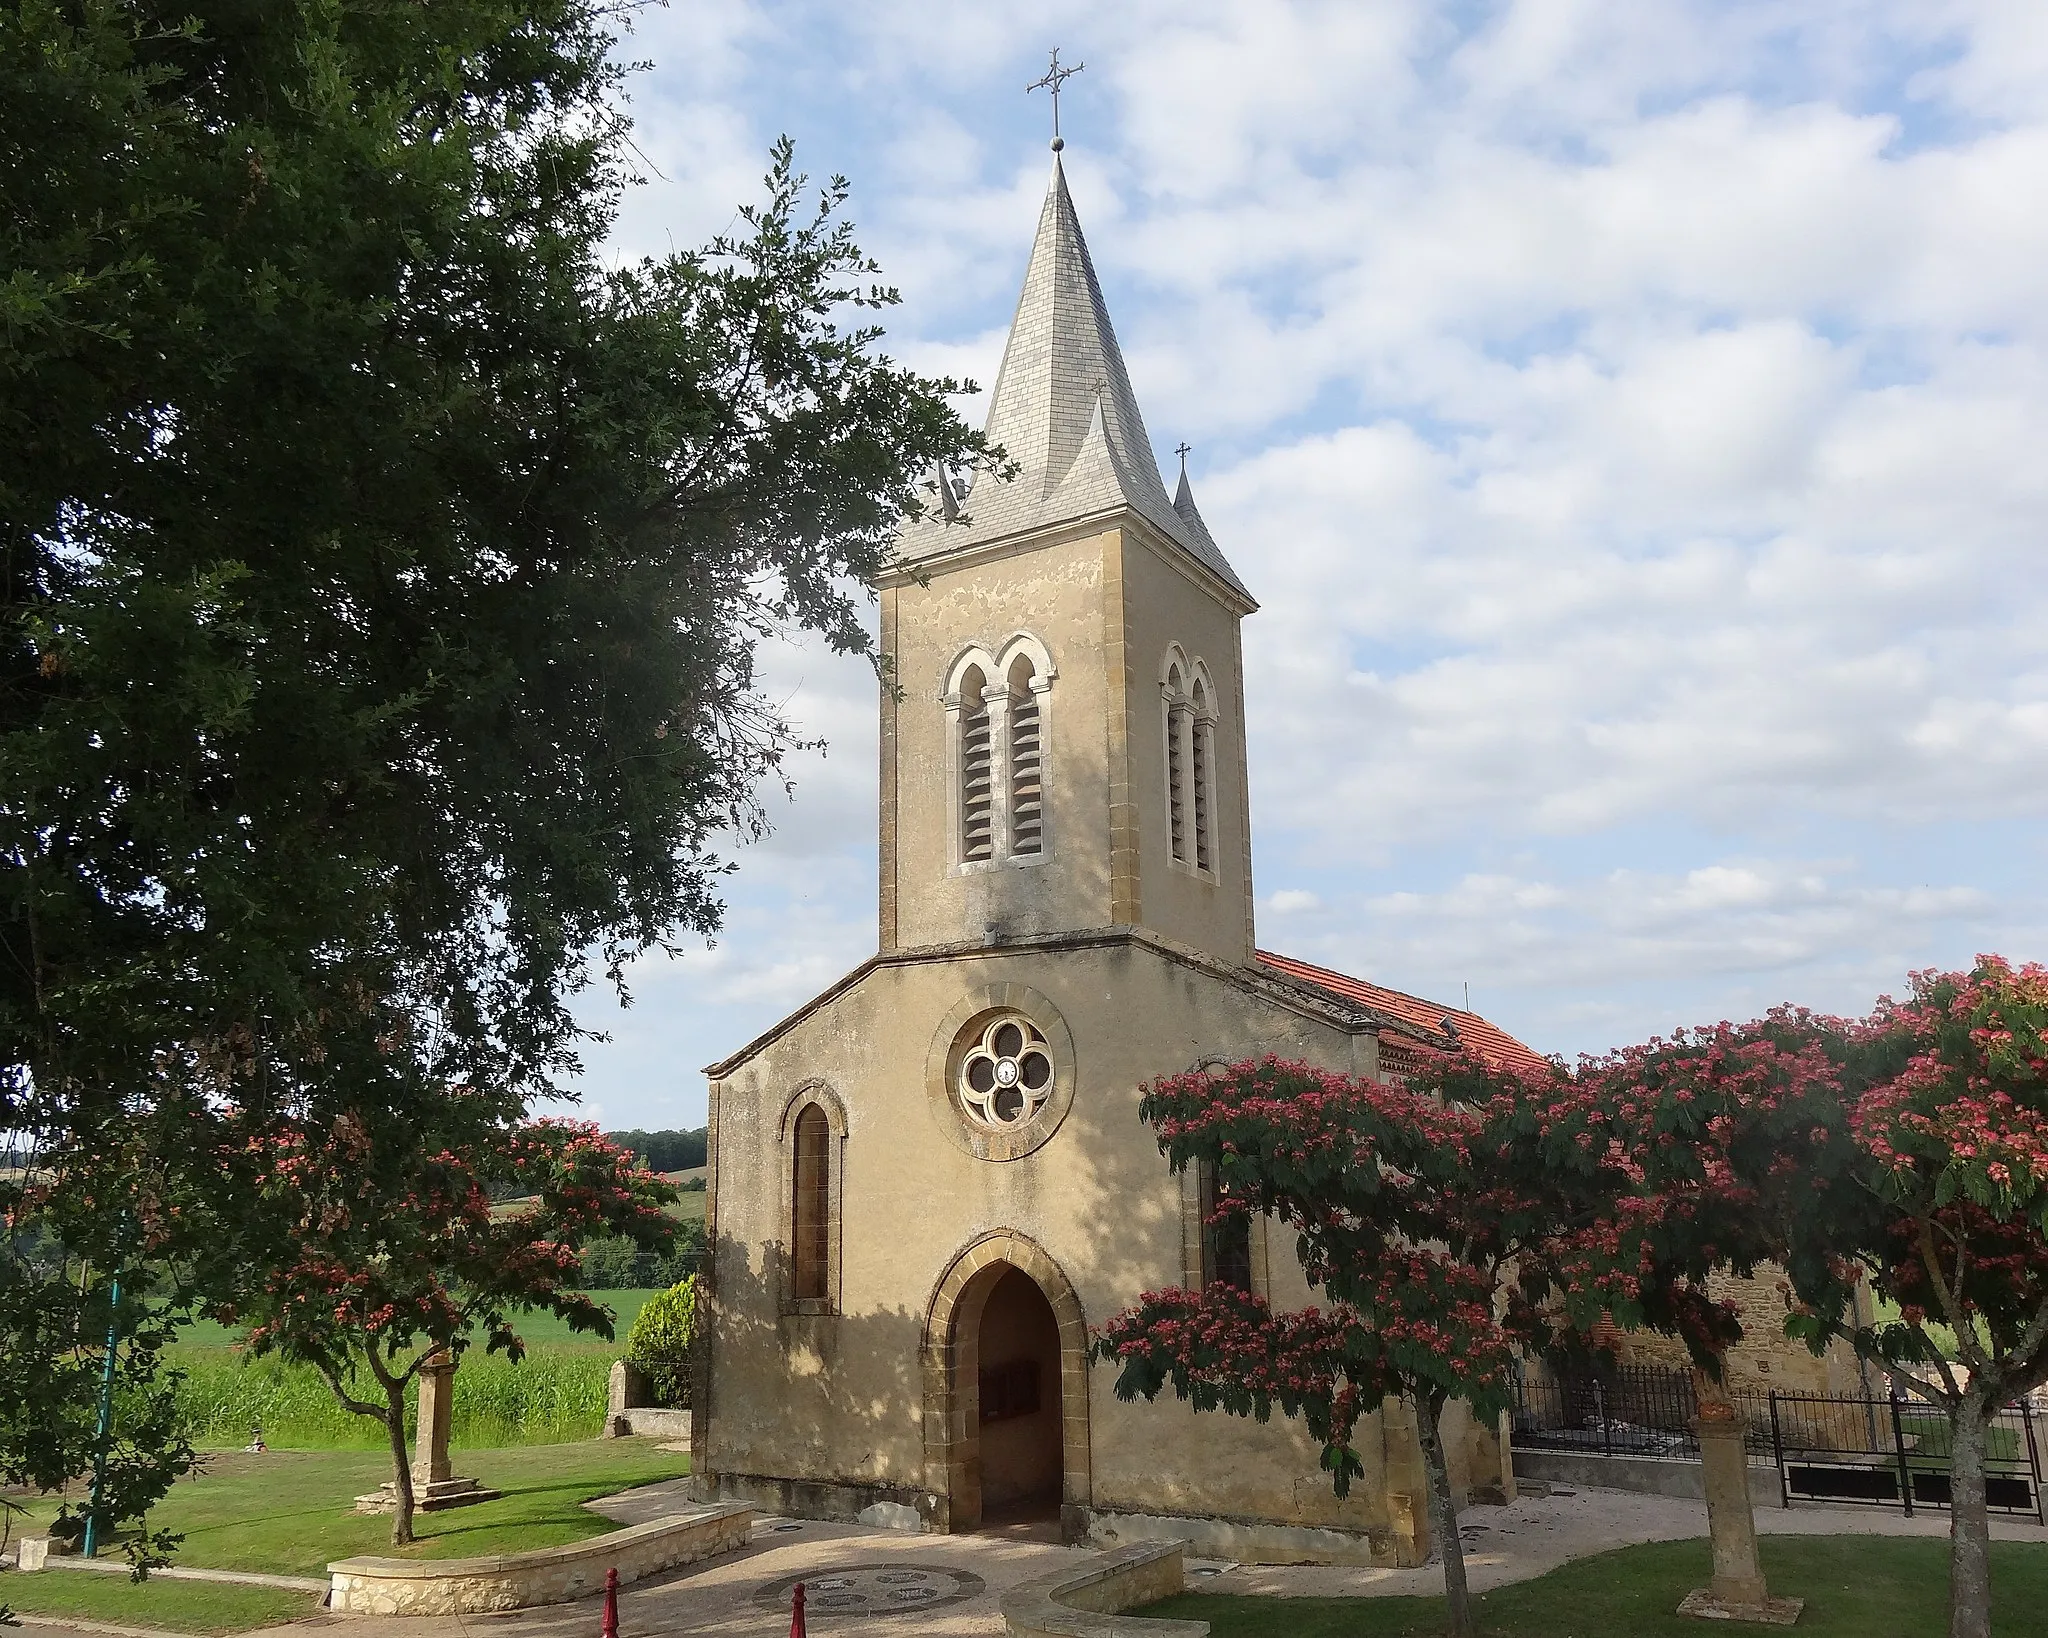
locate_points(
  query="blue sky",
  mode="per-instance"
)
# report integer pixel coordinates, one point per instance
(1633, 421)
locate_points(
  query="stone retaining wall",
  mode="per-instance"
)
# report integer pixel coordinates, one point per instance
(1088, 1600)
(551, 1575)
(1682, 1476)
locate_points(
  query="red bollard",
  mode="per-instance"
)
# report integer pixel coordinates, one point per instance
(611, 1603)
(796, 1613)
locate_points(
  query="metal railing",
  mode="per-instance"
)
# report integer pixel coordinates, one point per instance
(1633, 1410)
(1853, 1448)
(1894, 1452)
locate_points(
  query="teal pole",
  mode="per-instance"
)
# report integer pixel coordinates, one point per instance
(99, 1450)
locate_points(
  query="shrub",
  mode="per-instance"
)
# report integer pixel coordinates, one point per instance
(660, 1340)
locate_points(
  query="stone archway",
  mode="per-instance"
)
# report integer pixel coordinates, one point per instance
(950, 1364)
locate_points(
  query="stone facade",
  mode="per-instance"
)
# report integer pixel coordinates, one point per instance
(517, 1581)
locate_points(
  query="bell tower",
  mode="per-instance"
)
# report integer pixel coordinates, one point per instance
(1064, 751)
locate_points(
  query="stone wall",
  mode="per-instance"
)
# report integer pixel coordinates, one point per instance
(1766, 1359)
(517, 1581)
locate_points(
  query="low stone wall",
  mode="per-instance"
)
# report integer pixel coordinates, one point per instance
(551, 1575)
(648, 1422)
(1088, 1600)
(1252, 1541)
(1644, 1475)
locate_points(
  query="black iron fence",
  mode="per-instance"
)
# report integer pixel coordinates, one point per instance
(1895, 1453)
(1890, 1452)
(1636, 1410)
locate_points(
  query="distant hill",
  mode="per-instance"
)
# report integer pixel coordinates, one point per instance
(669, 1150)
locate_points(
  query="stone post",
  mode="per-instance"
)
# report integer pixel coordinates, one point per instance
(1737, 1591)
(434, 1484)
(430, 1463)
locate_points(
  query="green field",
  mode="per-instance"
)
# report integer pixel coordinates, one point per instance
(1854, 1587)
(287, 1512)
(555, 1394)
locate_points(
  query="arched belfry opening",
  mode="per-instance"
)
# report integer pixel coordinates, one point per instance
(1005, 1391)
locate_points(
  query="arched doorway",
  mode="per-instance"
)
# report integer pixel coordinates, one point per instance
(1005, 1390)
(1017, 1381)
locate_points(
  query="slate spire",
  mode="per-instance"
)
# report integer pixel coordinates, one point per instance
(1063, 409)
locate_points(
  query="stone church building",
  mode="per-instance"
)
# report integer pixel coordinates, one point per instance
(929, 1182)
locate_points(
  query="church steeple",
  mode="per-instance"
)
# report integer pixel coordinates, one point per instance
(1064, 411)
(1066, 752)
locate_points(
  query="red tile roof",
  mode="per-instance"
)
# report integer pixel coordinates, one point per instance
(1495, 1045)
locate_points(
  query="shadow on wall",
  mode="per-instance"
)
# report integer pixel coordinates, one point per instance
(755, 1437)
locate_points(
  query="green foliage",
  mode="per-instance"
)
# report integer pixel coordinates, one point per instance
(662, 1337)
(381, 571)
(616, 1263)
(668, 1150)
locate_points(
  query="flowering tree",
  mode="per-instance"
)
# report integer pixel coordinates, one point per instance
(1907, 1151)
(385, 1251)
(1478, 1212)
(1929, 1180)
(1409, 1214)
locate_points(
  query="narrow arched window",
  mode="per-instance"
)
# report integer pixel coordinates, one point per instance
(1027, 762)
(811, 1197)
(977, 790)
(1176, 763)
(1202, 756)
(1226, 1240)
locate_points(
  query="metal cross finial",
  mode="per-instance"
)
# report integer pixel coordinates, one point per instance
(1055, 77)
(1182, 449)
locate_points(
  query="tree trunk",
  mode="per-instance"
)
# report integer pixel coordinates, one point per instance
(401, 1462)
(1969, 1525)
(1443, 1515)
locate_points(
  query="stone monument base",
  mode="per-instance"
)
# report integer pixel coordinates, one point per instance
(1706, 1604)
(433, 1497)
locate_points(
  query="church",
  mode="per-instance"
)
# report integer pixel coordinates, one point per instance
(930, 1182)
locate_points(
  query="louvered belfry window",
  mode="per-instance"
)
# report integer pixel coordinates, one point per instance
(1202, 752)
(1027, 768)
(977, 773)
(812, 1200)
(1176, 763)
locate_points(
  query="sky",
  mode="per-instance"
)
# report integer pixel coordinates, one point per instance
(1632, 420)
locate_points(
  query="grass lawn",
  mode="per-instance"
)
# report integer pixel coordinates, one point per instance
(287, 1512)
(179, 1606)
(1853, 1585)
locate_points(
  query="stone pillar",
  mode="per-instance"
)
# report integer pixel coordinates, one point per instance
(1737, 1590)
(434, 1484)
(1724, 1454)
(430, 1444)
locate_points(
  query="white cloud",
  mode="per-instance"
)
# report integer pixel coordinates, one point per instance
(1629, 417)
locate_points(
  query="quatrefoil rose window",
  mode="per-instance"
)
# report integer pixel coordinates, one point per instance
(1006, 1074)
